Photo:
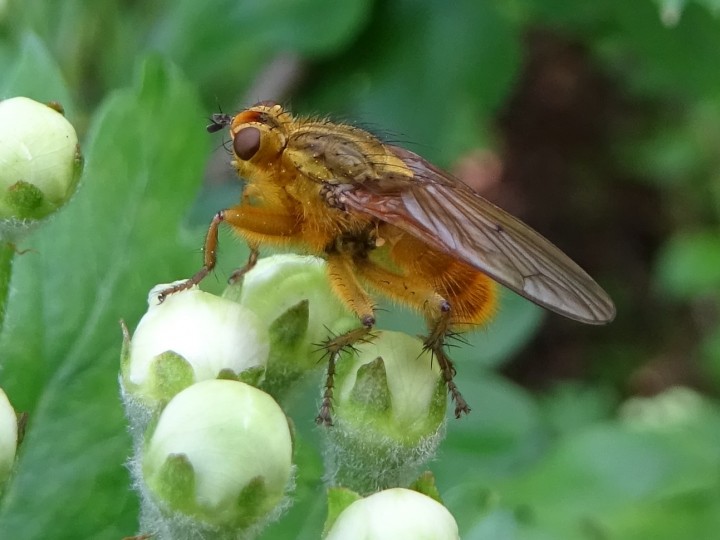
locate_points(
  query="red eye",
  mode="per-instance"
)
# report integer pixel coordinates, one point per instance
(246, 142)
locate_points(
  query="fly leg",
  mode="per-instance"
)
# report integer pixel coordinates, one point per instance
(335, 346)
(252, 223)
(249, 265)
(209, 259)
(341, 270)
(435, 343)
(415, 291)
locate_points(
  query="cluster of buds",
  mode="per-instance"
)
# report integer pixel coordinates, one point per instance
(202, 376)
(213, 450)
(213, 453)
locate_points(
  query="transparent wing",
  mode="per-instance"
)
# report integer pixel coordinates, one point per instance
(448, 216)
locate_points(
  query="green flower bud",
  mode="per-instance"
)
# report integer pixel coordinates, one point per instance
(8, 437)
(671, 410)
(292, 295)
(389, 413)
(39, 161)
(191, 336)
(395, 514)
(219, 459)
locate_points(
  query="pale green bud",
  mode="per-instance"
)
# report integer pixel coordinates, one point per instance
(279, 282)
(673, 409)
(190, 337)
(395, 514)
(218, 458)
(388, 413)
(40, 162)
(292, 295)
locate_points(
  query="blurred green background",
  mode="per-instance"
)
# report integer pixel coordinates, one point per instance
(596, 122)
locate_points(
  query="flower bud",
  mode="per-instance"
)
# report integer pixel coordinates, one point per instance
(671, 410)
(39, 161)
(8, 437)
(292, 295)
(388, 412)
(395, 514)
(191, 336)
(218, 459)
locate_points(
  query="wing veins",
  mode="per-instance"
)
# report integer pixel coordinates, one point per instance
(429, 205)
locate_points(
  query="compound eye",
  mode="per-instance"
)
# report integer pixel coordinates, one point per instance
(246, 143)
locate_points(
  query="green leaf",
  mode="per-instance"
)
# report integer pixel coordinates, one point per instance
(36, 75)
(710, 349)
(515, 324)
(87, 268)
(611, 481)
(689, 264)
(428, 72)
(502, 432)
(7, 256)
(665, 54)
(572, 406)
(225, 42)
(88, 48)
